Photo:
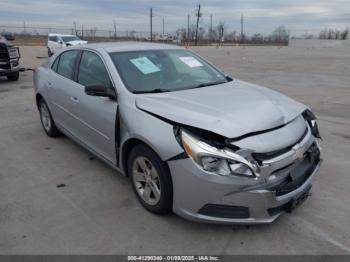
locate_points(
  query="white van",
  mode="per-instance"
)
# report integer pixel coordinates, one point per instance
(57, 41)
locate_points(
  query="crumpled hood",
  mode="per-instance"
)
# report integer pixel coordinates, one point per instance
(77, 42)
(232, 109)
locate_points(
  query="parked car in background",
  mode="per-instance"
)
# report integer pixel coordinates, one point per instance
(164, 37)
(192, 139)
(56, 42)
(8, 36)
(9, 60)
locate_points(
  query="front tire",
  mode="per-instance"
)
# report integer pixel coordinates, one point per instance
(13, 76)
(47, 120)
(151, 180)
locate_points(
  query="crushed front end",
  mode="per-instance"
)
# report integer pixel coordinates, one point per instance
(251, 179)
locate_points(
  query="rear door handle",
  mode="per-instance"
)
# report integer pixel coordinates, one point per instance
(74, 99)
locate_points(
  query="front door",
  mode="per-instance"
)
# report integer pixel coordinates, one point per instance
(96, 115)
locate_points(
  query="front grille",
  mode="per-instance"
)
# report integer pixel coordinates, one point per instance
(260, 157)
(3, 52)
(5, 66)
(300, 173)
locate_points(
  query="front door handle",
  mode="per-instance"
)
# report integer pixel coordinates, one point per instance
(49, 84)
(74, 99)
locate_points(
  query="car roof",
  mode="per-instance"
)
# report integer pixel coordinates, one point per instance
(111, 47)
(60, 35)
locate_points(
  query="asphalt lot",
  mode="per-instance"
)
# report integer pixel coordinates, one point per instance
(97, 213)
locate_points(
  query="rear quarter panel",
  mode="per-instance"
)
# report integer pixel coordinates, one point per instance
(40, 79)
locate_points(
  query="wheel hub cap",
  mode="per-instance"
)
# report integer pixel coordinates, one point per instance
(146, 180)
(45, 117)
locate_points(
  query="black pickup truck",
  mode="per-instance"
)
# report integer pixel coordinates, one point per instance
(9, 60)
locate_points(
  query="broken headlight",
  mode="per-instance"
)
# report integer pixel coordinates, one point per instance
(311, 120)
(223, 162)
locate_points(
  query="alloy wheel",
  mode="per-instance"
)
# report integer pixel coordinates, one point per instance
(146, 180)
(45, 117)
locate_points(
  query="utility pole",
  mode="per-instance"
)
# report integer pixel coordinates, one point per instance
(163, 25)
(82, 31)
(115, 29)
(151, 18)
(75, 28)
(198, 15)
(211, 27)
(188, 27)
(242, 28)
(24, 28)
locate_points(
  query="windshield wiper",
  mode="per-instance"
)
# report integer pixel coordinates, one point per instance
(162, 90)
(157, 90)
(208, 84)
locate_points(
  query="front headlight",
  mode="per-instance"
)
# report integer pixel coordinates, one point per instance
(311, 119)
(223, 162)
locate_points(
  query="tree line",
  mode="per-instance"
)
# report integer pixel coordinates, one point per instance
(220, 33)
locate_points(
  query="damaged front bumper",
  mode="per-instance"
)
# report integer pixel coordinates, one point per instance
(284, 183)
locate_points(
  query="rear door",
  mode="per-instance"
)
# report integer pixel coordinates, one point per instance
(63, 90)
(96, 115)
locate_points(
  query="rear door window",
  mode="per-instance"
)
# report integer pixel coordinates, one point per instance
(55, 64)
(66, 65)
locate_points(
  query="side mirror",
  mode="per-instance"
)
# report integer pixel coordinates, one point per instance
(60, 42)
(100, 90)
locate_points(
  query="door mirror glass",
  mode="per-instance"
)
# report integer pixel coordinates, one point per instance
(99, 90)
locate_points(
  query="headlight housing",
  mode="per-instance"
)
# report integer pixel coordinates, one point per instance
(311, 120)
(217, 161)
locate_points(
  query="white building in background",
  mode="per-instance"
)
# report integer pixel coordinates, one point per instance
(323, 43)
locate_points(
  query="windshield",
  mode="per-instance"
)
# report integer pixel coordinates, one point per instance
(154, 71)
(69, 38)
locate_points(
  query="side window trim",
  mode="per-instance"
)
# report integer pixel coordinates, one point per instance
(77, 66)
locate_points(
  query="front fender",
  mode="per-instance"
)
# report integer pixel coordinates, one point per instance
(154, 132)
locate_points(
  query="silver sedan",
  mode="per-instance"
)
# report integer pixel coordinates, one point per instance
(192, 140)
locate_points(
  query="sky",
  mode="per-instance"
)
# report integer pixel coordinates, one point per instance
(260, 16)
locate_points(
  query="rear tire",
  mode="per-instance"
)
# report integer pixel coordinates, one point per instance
(151, 180)
(47, 120)
(13, 76)
(49, 53)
